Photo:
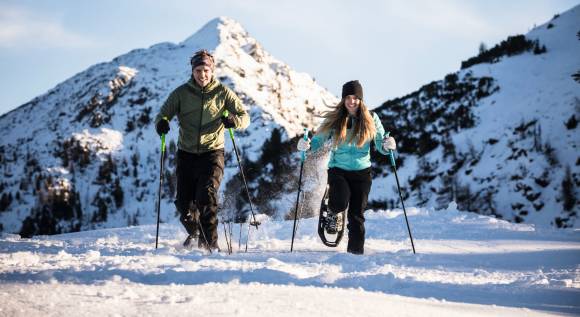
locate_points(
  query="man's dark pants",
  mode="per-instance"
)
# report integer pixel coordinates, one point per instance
(198, 181)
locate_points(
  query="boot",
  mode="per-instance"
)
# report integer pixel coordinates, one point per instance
(356, 241)
(212, 247)
(189, 242)
(208, 218)
(190, 221)
(352, 250)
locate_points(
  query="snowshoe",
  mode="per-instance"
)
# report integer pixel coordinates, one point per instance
(330, 223)
(333, 222)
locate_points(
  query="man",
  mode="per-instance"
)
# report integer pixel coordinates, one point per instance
(199, 105)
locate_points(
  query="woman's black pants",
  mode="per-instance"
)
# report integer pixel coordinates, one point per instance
(350, 189)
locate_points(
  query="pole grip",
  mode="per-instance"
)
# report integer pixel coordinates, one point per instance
(305, 139)
(391, 154)
(163, 139)
(230, 130)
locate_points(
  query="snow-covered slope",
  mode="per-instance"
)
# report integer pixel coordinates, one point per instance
(466, 265)
(85, 155)
(498, 138)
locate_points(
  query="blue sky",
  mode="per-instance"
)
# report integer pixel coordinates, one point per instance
(392, 47)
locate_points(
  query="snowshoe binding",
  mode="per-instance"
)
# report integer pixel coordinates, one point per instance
(330, 223)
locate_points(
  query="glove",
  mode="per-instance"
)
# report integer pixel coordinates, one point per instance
(162, 127)
(303, 145)
(389, 144)
(228, 121)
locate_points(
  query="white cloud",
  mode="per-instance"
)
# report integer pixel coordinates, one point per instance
(21, 28)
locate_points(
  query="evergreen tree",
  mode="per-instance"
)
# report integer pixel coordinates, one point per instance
(465, 198)
(568, 192)
(446, 192)
(271, 151)
(448, 147)
(102, 210)
(572, 123)
(4, 202)
(482, 48)
(106, 170)
(118, 193)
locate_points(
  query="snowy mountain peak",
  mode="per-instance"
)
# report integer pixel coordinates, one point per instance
(223, 31)
(94, 131)
(214, 32)
(287, 97)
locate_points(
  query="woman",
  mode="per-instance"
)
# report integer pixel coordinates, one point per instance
(350, 128)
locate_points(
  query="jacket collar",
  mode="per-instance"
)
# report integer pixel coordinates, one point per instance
(196, 88)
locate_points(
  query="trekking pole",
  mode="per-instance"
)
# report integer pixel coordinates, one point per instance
(231, 241)
(204, 237)
(240, 238)
(227, 241)
(254, 222)
(160, 183)
(392, 159)
(302, 158)
(247, 237)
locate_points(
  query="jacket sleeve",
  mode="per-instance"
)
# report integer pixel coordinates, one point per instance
(234, 106)
(380, 134)
(169, 108)
(318, 141)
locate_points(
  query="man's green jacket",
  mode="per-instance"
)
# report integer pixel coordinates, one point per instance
(198, 111)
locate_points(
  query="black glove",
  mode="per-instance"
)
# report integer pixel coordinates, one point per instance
(162, 127)
(228, 121)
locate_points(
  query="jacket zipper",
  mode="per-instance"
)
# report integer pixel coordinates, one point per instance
(200, 121)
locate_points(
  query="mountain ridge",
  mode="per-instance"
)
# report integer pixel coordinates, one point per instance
(513, 157)
(84, 155)
(64, 133)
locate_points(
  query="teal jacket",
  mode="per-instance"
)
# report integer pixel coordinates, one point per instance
(348, 156)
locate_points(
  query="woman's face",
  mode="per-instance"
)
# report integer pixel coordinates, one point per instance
(352, 103)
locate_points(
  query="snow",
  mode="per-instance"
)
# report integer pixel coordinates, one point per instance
(534, 87)
(531, 88)
(134, 86)
(106, 141)
(466, 265)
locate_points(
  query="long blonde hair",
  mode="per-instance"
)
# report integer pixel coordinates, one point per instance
(336, 121)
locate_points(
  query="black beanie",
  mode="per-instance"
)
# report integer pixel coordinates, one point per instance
(352, 87)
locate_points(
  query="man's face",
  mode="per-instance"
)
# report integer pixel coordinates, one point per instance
(202, 75)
